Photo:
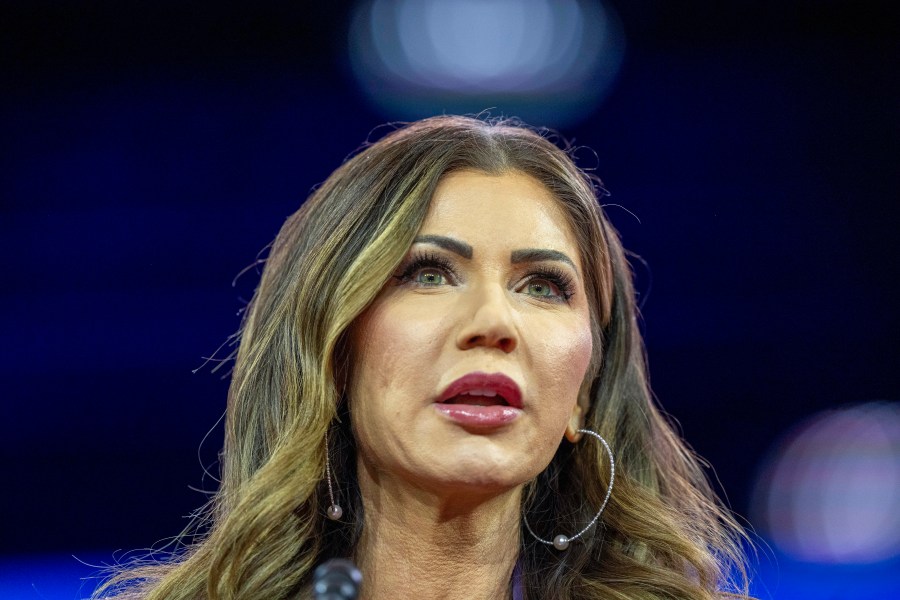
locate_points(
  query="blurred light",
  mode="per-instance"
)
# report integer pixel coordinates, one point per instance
(539, 59)
(831, 492)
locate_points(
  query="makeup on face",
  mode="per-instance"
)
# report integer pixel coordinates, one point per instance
(468, 365)
(539, 263)
(481, 400)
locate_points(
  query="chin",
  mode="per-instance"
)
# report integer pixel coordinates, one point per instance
(484, 471)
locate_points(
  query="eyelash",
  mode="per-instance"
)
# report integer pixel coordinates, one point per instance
(425, 261)
(554, 275)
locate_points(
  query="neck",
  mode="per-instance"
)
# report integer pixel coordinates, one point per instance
(430, 544)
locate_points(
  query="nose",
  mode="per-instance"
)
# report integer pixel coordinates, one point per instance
(488, 321)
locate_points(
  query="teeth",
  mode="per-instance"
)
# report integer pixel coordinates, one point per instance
(478, 398)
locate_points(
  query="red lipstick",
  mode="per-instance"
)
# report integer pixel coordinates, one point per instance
(482, 400)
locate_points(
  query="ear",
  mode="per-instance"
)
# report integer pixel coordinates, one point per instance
(576, 420)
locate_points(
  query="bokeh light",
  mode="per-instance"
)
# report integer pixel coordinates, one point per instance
(830, 493)
(550, 61)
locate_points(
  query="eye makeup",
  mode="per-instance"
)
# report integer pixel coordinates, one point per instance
(559, 280)
(425, 261)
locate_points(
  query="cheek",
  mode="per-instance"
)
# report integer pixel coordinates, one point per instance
(390, 344)
(375, 359)
(567, 356)
(390, 350)
(575, 352)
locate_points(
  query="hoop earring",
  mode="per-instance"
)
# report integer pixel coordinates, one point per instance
(561, 542)
(334, 511)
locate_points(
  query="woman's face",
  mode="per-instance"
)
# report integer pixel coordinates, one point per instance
(492, 289)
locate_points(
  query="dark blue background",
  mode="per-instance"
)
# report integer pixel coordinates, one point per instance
(150, 150)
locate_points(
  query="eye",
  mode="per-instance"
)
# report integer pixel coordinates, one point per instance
(427, 270)
(429, 277)
(540, 288)
(550, 284)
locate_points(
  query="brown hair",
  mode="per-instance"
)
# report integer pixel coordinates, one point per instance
(664, 533)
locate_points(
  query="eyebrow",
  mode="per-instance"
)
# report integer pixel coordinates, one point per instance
(456, 246)
(518, 256)
(539, 254)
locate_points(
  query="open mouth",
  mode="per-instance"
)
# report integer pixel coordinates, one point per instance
(478, 398)
(484, 390)
(481, 402)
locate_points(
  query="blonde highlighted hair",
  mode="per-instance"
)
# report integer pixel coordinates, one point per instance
(664, 533)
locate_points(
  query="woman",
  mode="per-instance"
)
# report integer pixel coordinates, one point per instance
(441, 377)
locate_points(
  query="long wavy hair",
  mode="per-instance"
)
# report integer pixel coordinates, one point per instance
(664, 534)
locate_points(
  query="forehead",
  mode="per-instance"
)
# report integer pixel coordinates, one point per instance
(512, 209)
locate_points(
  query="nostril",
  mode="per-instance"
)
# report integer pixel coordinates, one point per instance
(507, 344)
(475, 340)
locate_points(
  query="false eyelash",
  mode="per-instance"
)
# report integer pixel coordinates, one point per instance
(562, 280)
(425, 261)
(556, 276)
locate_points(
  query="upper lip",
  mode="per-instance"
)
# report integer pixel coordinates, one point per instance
(499, 383)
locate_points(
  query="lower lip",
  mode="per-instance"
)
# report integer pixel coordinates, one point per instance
(479, 416)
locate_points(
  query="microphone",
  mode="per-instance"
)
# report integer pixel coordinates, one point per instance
(336, 579)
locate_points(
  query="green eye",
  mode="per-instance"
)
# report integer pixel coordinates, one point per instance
(427, 277)
(540, 289)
